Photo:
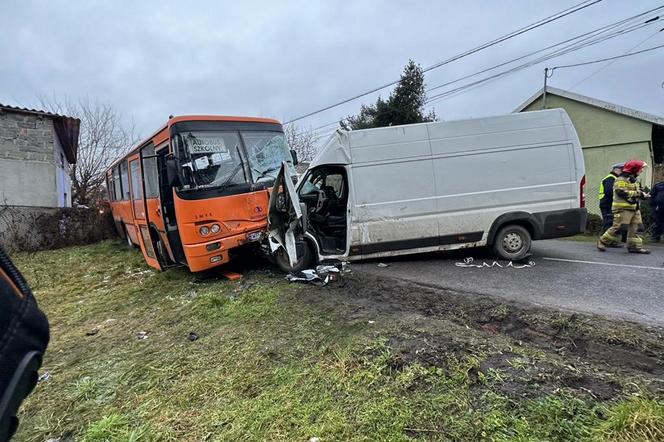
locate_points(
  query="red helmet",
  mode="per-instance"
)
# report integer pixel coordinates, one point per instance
(634, 166)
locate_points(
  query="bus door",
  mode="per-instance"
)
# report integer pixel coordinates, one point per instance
(153, 204)
(138, 210)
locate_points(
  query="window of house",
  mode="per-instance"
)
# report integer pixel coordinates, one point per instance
(136, 187)
(124, 177)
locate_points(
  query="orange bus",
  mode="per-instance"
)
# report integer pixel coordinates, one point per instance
(198, 188)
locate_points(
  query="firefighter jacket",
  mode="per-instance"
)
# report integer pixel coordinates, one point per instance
(626, 193)
(605, 195)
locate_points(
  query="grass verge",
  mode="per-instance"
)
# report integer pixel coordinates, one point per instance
(274, 361)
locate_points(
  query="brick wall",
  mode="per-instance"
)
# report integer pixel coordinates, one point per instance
(26, 137)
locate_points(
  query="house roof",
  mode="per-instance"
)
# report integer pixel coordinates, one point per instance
(622, 110)
(66, 128)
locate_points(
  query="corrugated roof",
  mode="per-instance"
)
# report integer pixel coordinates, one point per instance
(66, 128)
(622, 110)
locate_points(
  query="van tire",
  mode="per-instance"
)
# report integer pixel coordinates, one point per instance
(512, 242)
(303, 262)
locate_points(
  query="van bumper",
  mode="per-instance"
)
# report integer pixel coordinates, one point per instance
(560, 223)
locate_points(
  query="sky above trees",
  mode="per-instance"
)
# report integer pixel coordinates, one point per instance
(150, 59)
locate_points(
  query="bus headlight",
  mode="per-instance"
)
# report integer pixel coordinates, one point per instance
(215, 228)
(205, 230)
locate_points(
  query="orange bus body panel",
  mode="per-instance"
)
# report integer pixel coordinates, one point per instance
(237, 215)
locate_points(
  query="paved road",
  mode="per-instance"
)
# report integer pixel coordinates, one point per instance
(567, 274)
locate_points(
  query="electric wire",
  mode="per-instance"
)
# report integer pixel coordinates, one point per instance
(535, 25)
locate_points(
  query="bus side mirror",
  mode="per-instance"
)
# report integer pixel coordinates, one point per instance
(172, 175)
(294, 156)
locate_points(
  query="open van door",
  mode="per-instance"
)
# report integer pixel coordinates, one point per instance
(284, 215)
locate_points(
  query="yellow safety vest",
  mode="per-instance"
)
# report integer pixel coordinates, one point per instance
(633, 191)
(601, 186)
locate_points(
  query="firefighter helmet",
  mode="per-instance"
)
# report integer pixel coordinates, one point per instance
(634, 166)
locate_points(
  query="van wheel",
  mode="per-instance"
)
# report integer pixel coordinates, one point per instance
(303, 262)
(512, 242)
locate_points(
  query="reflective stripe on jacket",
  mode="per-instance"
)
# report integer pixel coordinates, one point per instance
(625, 194)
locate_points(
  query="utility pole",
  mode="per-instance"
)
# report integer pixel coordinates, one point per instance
(546, 75)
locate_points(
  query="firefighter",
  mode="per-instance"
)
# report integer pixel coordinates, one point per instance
(657, 204)
(627, 193)
(606, 198)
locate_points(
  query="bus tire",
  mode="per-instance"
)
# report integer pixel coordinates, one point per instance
(128, 238)
(162, 255)
(303, 262)
(512, 242)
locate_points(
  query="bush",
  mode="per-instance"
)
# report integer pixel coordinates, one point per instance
(594, 224)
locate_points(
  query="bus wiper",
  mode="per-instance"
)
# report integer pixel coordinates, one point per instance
(264, 173)
(238, 167)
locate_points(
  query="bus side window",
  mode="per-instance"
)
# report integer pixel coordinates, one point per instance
(150, 174)
(117, 188)
(136, 181)
(124, 176)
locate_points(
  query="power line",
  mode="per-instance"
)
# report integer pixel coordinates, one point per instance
(554, 54)
(537, 24)
(597, 31)
(598, 35)
(608, 58)
(601, 68)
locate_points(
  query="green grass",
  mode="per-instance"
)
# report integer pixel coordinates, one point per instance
(267, 366)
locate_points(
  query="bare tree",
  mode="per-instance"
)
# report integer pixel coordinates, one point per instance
(104, 137)
(302, 141)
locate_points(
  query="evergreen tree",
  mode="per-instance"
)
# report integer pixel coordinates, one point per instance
(405, 105)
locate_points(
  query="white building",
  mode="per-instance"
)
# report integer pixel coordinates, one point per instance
(36, 150)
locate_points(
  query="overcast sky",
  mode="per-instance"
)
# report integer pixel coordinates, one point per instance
(155, 58)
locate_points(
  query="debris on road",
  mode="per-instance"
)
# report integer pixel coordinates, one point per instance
(44, 377)
(322, 275)
(192, 336)
(470, 262)
(142, 335)
(92, 332)
(382, 265)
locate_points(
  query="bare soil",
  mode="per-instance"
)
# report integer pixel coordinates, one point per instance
(527, 351)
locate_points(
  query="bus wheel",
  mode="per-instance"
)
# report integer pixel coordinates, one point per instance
(129, 243)
(303, 262)
(162, 256)
(512, 242)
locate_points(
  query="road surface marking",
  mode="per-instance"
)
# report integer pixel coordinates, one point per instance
(604, 263)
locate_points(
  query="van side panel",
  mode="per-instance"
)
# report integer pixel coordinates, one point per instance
(445, 185)
(486, 168)
(393, 185)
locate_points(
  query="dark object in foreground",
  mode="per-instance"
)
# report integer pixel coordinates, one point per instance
(23, 339)
(192, 336)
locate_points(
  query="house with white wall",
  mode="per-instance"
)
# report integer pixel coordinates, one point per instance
(36, 151)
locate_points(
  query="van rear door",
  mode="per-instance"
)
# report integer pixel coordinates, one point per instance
(284, 215)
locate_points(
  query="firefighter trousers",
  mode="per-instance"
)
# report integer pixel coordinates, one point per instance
(625, 221)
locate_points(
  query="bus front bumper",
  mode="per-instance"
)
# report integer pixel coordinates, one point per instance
(214, 253)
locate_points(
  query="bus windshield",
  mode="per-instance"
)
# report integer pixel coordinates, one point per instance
(266, 151)
(218, 158)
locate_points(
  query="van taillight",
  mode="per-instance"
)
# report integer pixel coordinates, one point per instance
(582, 192)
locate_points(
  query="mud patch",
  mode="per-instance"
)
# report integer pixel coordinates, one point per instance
(524, 352)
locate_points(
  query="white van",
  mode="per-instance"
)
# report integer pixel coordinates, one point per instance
(500, 181)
